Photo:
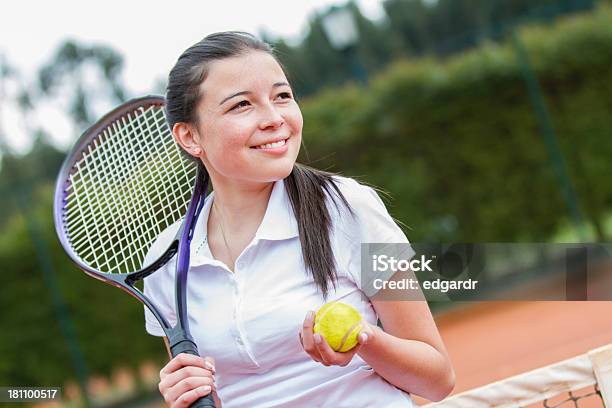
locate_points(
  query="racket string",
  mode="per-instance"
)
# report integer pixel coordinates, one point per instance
(126, 190)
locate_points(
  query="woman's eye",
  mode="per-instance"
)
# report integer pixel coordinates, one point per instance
(240, 104)
(284, 95)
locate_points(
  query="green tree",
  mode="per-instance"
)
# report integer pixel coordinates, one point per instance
(74, 69)
(411, 28)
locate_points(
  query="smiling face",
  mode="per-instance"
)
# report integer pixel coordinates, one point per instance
(249, 127)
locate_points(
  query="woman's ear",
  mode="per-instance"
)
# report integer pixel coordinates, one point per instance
(186, 136)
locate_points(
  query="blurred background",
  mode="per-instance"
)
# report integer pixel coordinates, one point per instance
(484, 120)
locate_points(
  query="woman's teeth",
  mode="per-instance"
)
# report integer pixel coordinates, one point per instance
(271, 145)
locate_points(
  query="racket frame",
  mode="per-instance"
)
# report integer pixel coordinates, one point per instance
(179, 339)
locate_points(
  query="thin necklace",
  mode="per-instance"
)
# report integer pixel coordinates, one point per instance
(223, 233)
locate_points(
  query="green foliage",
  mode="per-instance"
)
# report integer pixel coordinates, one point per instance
(411, 28)
(69, 67)
(457, 140)
(109, 325)
(39, 166)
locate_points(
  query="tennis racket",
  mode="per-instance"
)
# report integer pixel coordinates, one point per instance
(121, 185)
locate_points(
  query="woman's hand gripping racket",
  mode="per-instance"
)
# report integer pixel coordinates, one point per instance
(123, 183)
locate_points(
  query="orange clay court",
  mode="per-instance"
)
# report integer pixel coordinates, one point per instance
(490, 341)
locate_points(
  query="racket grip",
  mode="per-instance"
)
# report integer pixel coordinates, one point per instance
(188, 346)
(204, 402)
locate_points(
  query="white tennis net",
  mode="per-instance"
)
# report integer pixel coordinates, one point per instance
(584, 381)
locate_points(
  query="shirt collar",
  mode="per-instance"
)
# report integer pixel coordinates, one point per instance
(278, 223)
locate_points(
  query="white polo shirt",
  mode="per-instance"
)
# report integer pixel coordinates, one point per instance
(249, 320)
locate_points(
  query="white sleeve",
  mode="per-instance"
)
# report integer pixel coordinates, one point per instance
(159, 286)
(371, 224)
(152, 326)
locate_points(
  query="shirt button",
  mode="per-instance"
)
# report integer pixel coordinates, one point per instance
(240, 264)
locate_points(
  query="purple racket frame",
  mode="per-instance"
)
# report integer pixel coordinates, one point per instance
(179, 337)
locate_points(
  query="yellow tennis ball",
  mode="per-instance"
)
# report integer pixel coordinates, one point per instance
(340, 324)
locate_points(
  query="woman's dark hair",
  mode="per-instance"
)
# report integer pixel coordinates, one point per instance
(306, 187)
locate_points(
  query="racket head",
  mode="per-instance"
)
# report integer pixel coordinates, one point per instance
(122, 184)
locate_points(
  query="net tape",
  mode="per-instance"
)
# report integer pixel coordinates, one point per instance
(590, 369)
(129, 186)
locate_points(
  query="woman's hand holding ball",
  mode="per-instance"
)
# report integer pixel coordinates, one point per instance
(335, 334)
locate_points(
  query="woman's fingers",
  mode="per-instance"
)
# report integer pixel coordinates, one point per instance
(209, 363)
(186, 386)
(186, 378)
(183, 380)
(368, 333)
(331, 357)
(306, 336)
(170, 380)
(323, 349)
(307, 339)
(190, 397)
(179, 361)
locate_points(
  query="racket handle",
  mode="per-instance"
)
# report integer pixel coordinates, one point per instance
(189, 347)
(204, 402)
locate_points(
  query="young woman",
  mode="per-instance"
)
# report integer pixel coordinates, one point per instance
(274, 242)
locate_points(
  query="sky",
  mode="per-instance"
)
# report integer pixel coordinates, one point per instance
(149, 35)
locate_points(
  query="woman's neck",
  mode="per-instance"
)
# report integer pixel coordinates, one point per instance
(241, 206)
(236, 214)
